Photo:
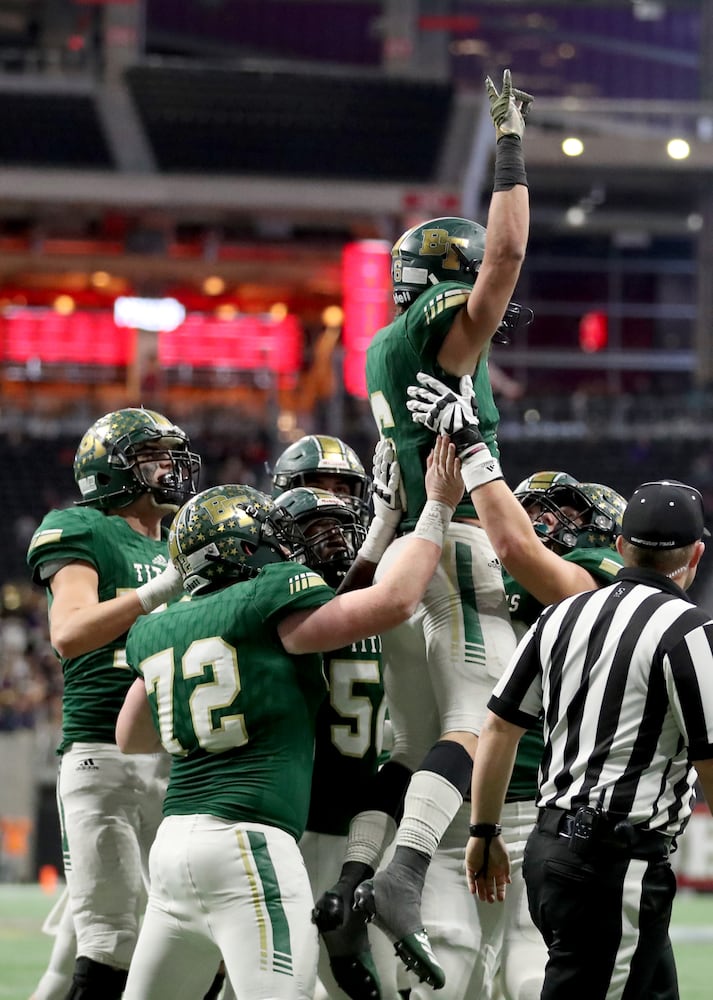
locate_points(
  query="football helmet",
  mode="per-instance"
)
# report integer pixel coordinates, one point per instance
(447, 249)
(319, 454)
(600, 508)
(530, 489)
(108, 465)
(223, 535)
(323, 530)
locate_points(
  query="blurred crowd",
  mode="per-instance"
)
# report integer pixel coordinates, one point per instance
(30, 675)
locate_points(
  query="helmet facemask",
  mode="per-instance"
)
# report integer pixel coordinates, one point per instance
(173, 487)
(305, 461)
(111, 466)
(596, 524)
(323, 530)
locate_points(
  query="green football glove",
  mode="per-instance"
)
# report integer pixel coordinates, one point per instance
(509, 108)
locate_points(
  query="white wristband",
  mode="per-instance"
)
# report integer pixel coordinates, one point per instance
(160, 589)
(479, 469)
(378, 538)
(433, 522)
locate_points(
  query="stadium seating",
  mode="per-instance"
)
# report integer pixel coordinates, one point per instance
(218, 120)
(51, 130)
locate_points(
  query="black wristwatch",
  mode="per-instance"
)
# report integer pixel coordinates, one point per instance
(487, 830)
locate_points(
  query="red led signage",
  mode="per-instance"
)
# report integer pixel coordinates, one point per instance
(367, 303)
(243, 343)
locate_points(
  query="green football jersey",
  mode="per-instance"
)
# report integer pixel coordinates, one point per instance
(394, 357)
(95, 683)
(235, 710)
(349, 734)
(603, 564)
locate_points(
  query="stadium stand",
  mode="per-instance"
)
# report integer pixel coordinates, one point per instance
(37, 128)
(286, 123)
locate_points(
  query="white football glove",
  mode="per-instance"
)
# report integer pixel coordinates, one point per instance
(386, 483)
(387, 500)
(445, 411)
(162, 589)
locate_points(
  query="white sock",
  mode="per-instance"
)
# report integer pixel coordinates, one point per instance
(431, 803)
(370, 833)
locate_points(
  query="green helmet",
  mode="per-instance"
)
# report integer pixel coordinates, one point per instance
(317, 455)
(532, 491)
(600, 512)
(529, 489)
(108, 464)
(447, 249)
(223, 535)
(323, 530)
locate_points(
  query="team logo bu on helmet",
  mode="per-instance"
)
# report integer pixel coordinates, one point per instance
(108, 463)
(320, 454)
(225, 534)
(323, 531)
(445, 249)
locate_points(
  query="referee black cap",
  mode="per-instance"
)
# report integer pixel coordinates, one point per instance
(664, 515)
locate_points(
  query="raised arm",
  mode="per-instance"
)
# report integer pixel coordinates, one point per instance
(80, 622)
(507, 228)
(386, 499)
(541, 571)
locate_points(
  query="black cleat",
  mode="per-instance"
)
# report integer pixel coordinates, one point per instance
(343, 930)
(328, 912)
(356, 975)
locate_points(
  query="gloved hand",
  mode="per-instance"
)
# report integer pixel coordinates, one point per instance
(162, 589)
(387, 499)
(509, 108)
(386, 483)
(445, 411)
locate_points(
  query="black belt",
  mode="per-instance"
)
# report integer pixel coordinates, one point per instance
(609, 833)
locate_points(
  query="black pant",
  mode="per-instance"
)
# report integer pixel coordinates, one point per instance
(604, 919)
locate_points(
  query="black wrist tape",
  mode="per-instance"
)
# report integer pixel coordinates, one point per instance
(509, 164)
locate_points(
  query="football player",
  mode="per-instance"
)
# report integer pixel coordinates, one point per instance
(452, 288)
(350, 726)
(105, 563)
(324, 463)
(571, 550)
(325, 533)
(232, 683)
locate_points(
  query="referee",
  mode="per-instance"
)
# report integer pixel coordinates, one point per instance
(624, 679)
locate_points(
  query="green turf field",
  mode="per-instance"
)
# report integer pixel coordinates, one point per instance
(24, 949)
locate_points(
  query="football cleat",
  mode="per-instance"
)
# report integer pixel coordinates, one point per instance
(356, 975)
(343, 930)
(398, 915)
(328, 912)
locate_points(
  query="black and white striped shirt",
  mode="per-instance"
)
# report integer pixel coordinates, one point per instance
(624, 675)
